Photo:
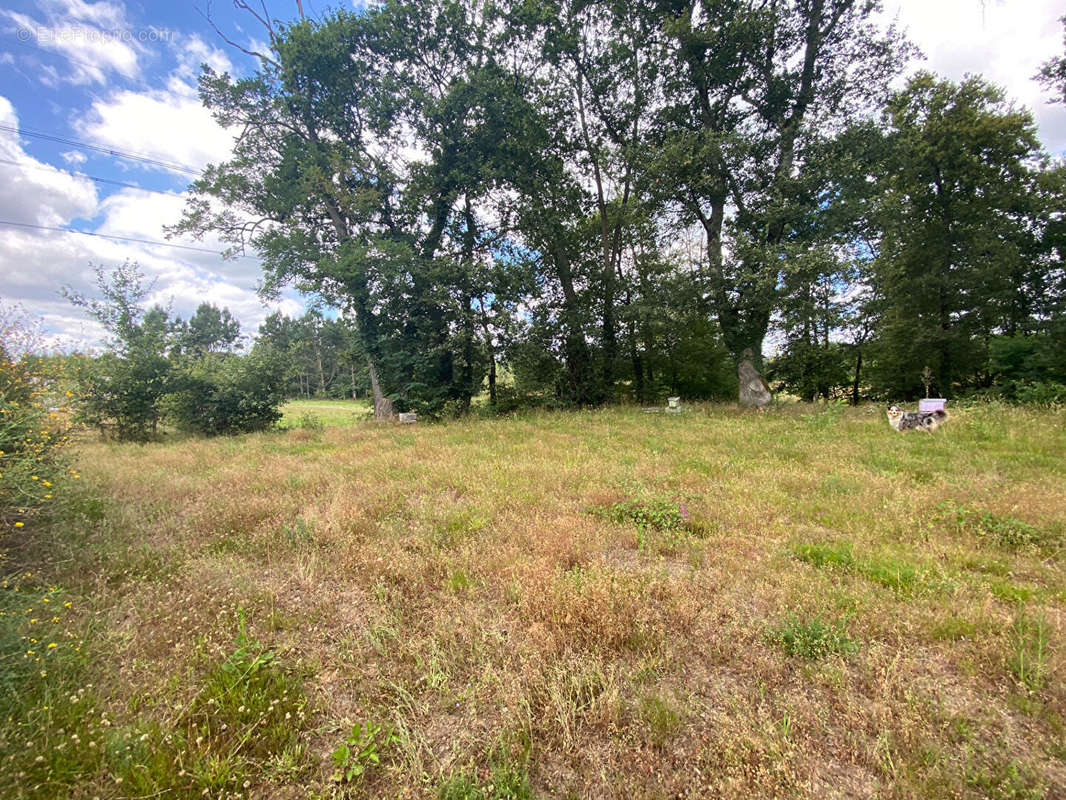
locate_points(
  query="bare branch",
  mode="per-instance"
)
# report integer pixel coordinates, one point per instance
(253, 53)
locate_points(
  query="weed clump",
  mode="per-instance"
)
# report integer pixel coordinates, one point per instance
(666, 518)
(248, 705)
(662, 721)
(1029, 650)
(813, 638)
(311, 423)
(507, 776)
(362, 750)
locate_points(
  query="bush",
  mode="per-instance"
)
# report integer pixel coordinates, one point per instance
(123, 396)
(225, 394)
(1043, 393)
(161, 367)
(31, 438)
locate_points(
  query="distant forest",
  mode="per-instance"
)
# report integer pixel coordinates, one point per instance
(577, 203)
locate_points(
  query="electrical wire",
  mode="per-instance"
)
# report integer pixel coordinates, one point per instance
(100, 149)
(116, 238)
(49, 168)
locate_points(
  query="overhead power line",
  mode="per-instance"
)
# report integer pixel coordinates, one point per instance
(116, 238)
(49, 168)
(51, 137)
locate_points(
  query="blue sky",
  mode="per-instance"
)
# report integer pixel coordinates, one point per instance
(122, 75)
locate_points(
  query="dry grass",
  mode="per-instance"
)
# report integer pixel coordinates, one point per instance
(461, 585)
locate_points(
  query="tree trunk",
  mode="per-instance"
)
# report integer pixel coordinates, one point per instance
(382, 404)
(638, 366)
(321, 371)
(492, 379)
(578, 361)
(855, 382)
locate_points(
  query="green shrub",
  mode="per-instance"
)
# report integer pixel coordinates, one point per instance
(123, 396)
(31, 440)
(310, 422)
(226, 394)
(1041, 393)
(669, 517)
(160, 367)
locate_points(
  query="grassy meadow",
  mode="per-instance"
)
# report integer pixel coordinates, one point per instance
(801, 603)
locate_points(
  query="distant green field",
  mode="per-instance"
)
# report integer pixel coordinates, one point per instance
(330, 412)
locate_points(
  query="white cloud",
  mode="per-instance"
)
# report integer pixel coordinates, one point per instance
(95, 39)
(167, 124)
(140, 214)
(100, 13)
(35, 192)
(1006, 42)
(193, 52)
(74, 157)
(36, 264)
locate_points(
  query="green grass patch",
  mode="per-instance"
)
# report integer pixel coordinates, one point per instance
(662, 721)
(893, 573)
(1030, 638)
(1005, 779)
(326, 413)
(836, 555)
(505, 778)
(1006, 532)
(888, 571)
(242, 725)
(953, 628)
(812, 638)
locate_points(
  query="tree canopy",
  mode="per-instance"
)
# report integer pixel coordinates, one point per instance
(598, 201)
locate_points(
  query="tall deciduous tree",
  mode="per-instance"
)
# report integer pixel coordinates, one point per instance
(758, 83)
(366, 139)
(962, 209)
(1053, 72)
(209, 330)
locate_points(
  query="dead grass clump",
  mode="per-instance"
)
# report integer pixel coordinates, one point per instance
(597, 609)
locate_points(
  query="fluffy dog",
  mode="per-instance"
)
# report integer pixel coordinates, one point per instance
(927, 421)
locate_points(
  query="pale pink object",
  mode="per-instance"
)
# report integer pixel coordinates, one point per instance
(932, 404)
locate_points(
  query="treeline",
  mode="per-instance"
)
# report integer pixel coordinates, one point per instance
(321, 357)
(615, 199)
(611, 200)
